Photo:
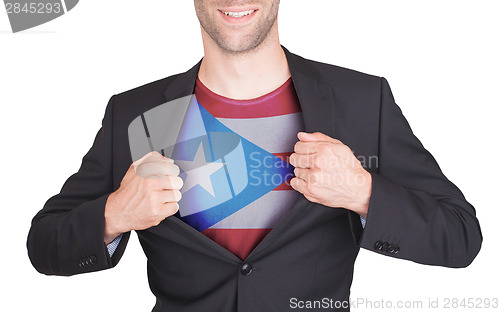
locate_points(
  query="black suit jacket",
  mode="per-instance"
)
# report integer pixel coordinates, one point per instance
(415, 212)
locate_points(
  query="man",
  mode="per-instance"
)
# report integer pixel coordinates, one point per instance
(266, 243)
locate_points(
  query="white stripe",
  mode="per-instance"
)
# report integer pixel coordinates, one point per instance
(264, 213)
(276, 134)
(63, 4)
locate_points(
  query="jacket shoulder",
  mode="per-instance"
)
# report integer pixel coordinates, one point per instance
(132, 103)
(150, 91)
(340, 76)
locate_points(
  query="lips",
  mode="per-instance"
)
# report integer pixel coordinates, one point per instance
(237, 15)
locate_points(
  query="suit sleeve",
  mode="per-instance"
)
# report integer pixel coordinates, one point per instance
(415, 212)
(67, 236)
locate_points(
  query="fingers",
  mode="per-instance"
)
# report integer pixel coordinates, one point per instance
(133, 167)
(165, 183)
(315, 147)
(169, 160)
(311, 176)
(171, 208)
(301, 186)
(316, 137)
(170, 196)
(302, 161)
(154, 165)
(150, 155)
(303, 174)
(311, 161)
(157, 169)
(305, 147)
(311, 143)
(298, 184)
(171, 183)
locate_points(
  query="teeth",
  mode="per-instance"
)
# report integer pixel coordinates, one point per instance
(239, 14)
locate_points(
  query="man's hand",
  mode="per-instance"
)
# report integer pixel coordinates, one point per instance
(328, 173)
(148, 193)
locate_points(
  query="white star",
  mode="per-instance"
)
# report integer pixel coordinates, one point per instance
(198, 171)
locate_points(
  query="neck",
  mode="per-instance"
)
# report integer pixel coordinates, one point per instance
(244, 75)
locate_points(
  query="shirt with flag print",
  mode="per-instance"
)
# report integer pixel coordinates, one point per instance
(233, 156)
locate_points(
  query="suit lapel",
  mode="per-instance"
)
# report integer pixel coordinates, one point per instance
(183, 84)
(317, 104)
(316, 99)
(318, 109)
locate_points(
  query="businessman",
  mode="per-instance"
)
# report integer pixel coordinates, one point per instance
(254, 178)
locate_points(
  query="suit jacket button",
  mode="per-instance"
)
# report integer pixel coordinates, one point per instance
(93, 260)
(246, 269)
(390, 249)
(83, 263)
(378, 245)
(384, 246)
(396, 249)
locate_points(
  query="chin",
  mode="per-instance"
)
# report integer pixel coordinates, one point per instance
(239, 44)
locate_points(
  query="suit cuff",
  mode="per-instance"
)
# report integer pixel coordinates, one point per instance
(363, 221)
(378, 234)
(112, 246)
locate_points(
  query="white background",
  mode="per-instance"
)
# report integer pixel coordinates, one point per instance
(440, 58)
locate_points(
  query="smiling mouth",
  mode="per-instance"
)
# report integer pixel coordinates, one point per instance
(239, 14)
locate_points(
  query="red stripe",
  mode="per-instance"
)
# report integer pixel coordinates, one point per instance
(281, 101)
(286, 185)
(238, 241)
(283, 156)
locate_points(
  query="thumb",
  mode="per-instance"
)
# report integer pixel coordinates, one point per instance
(153, 155)
(316, 137)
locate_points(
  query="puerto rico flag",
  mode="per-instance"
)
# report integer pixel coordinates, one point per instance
(232, 160)
(222, 171)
